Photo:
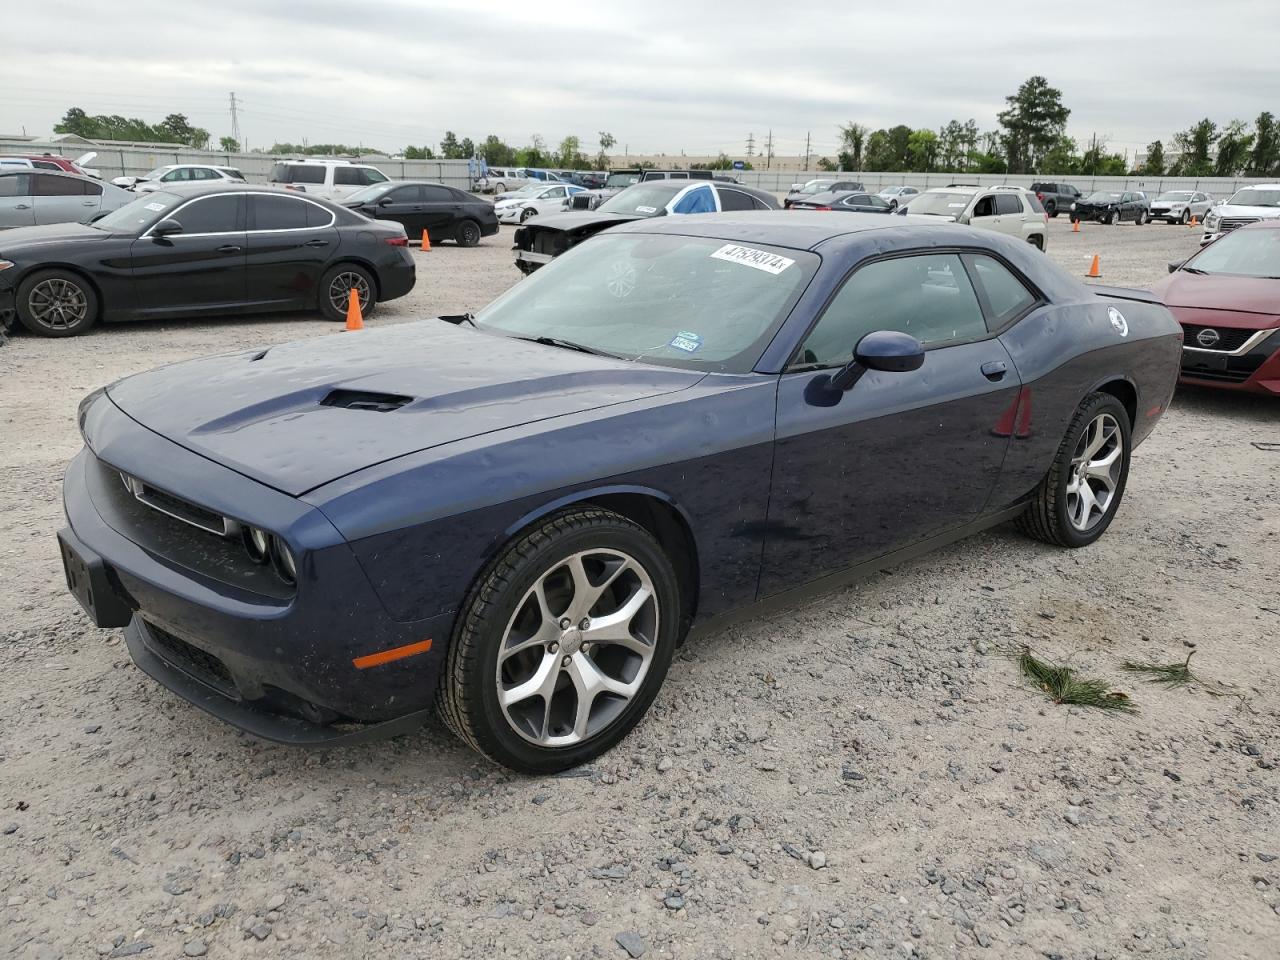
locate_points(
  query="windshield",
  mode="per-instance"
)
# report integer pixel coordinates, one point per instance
(1102, 196)
(369, 194)
(1181, 196)
(1244, 253)
(1255, 198)
(817, 186)
(941, 204)
(644, 199)
(156, 173)
(617, 181)
(136, 216)
(527, 191)
(692, 302)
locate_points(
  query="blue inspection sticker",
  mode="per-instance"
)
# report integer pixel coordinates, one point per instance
(686, 341)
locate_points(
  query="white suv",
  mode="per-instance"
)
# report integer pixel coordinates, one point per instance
(1247, 205)
(333, 179)
(173, 174)
(1006, 209)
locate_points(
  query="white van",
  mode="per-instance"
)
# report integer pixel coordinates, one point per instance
(333, 179)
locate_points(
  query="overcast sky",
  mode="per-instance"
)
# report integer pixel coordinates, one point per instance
(660, 76)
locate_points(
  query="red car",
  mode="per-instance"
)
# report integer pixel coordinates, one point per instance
(1227, 298)
(48, 161)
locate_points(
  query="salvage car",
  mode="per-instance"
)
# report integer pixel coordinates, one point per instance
(849, 202)
(620, 180)
(802, 192)
(1112, 206)
(1261, 201)
(1227, 298)
(518, 516)
(534, 200)
(443, 213)
(1179, 206)
(896, 196)
(1004, 209)
(175, 174)
(33, 197)
(200, 251)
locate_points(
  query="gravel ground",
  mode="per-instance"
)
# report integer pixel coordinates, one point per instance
(865, 775)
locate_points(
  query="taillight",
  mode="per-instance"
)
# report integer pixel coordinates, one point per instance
(822, 208)
(1039, 196)
(396, 241)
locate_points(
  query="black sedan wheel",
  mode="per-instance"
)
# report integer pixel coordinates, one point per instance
(1078, 498)
(336, 285)
(468, 233)
(1141, 218)
(563, 643)
(56, 303)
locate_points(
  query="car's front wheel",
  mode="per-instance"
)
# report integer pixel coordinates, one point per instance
(334, 295)
(56, 303)
(563, 642)
(526, 213)
(1185, 218)
(1079, 496)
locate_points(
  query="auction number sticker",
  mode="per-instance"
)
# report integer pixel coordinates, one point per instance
(750, 257)
(646, 209)
(686, 341)
(157, 207)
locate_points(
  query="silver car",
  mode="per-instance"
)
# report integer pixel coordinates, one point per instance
(33, 197)
(1179, 206)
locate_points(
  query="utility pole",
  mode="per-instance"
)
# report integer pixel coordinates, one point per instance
(768, 150)
(235, 122)
(751, 144)
(806, 150)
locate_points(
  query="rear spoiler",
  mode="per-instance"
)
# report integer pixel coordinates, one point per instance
(1124, 293)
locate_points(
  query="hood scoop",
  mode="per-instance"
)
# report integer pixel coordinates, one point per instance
(365, 400)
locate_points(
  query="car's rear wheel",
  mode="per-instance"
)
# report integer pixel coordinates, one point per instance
(468, 233)
(56, 303)
(1051, 208)
(1140, 219)
(334, 295)
(563, 642)
(1079, 496)
(1113, 217)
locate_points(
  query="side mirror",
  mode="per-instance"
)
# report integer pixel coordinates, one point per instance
(384, 202)
(888, 350)
(166, 228)
(124, 181)
(1175, 264)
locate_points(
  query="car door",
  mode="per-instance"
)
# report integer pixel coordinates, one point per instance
(404, 206)
(291, 242)
(440, 209)
(200, 269)
(17, 206)
(1011, 213)
(60, 199)
(984, 213)
(899, 457)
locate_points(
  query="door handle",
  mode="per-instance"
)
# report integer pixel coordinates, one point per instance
(21, 206)
(88, 203)
(316, 243)
(994, 370)
(228, 248)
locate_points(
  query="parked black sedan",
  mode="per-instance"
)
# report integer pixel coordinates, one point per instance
(201, 250)
(1112, 206)
(844, 200)
(543, 238)
(444, 212)
(519, 517)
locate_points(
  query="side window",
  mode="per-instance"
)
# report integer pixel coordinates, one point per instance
(985, 207)
(318, 216)
(45, 165)
(278, 213)
(232, 172)
(348, 177)
(306, 174)
(44, 185)
(1007, 203)
(696, 200)
(91, 189)
(679, 176)
(434, 194)
(410, 194)
(927, 295)
(1006, 296)
(760, 204)
(1033, 202)
(17, 185)
(210, 215)
(372, 176)
(735, 200)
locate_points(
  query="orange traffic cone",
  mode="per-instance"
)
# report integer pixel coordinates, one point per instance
(1075, 226)
(426, 241)
(354, 320)
(1194, 222)
(1095, 271)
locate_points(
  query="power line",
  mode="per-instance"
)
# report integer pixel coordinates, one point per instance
(235, 121)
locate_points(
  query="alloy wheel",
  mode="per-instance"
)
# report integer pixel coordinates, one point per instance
(340, 290)
(578, 648)
(1095, 474)
(58, 304)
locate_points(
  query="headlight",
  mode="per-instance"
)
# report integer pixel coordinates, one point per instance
(1211, 219)
(5, 264)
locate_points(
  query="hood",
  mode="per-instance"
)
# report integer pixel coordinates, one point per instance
(1253, 295)
(1240, 210)
(577, 219)
(299, 415)
(21, 240)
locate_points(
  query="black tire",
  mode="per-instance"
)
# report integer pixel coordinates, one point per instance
(342, 274)
(1075, 218)
(56, 303)
(1051, 208)
(1036, 241)
(1184, 219)
(467, 234)
(526, 213)
(1113, 218)
(1140, 219)
(1047, 518)
(468, 699)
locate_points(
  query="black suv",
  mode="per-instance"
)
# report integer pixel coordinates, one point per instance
(1055, 196)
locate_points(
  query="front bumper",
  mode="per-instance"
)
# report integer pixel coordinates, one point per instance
(280, 666)
(511, 215)
(1252, 369)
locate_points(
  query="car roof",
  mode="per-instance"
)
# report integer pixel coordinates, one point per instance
(1262, 186)
(230, 186)
(799, 230)
(44, 171)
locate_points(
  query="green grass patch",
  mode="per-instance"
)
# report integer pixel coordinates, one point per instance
(1063, 685)
(1167, 674)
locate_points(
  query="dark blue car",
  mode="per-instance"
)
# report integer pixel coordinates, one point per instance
(516, 518)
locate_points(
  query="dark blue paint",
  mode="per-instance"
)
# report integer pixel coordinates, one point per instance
(394, 514)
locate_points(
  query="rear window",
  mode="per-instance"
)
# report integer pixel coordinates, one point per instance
(15, 186)
(232, 172)
(297, 173)
(1035, 203)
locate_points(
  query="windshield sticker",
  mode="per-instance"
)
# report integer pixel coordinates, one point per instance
(954, 205)
(157, 207)
(686, 341)
(749, 257)
(646, 209)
